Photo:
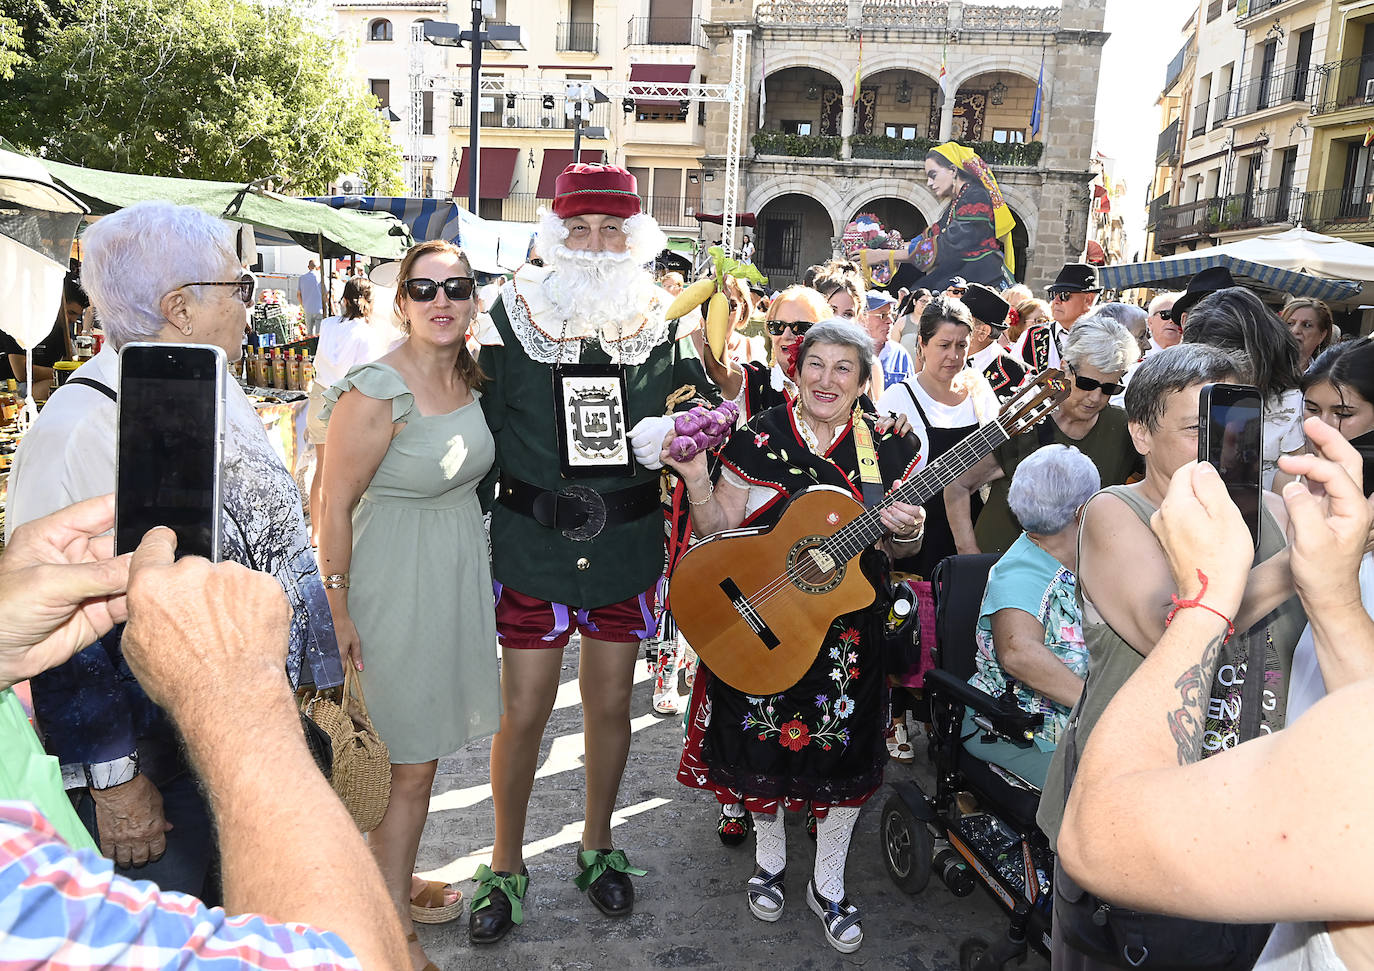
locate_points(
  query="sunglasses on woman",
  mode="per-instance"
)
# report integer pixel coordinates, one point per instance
(799, 327)
(1088, 384)
(423, 290)
(247, 285)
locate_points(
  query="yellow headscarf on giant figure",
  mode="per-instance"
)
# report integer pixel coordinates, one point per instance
(967, 161)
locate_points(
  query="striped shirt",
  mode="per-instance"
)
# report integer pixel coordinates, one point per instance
(66, 909)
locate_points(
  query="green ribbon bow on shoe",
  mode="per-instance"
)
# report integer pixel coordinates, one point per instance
(512, 885)
(596, 862)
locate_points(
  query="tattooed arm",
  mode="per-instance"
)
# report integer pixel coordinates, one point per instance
(1236, 837)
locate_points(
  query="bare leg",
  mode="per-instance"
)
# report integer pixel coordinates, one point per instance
(317, 496)
(606, 677)
(529, 685)
(395, 841)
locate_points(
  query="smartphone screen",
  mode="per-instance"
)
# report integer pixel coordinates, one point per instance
(1231, 417)
(170, 426)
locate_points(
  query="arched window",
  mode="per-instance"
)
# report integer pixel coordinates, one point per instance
(379, 29)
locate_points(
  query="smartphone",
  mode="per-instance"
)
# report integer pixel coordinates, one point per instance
(169, 445)
(1230, 430)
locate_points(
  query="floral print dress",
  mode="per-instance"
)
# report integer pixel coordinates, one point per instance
(820, 743)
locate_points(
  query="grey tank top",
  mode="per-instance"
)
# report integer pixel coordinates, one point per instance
(1111, 661)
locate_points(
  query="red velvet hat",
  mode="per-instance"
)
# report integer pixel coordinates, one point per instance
(585, 187)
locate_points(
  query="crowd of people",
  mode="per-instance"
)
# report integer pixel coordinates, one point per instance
(488, 491)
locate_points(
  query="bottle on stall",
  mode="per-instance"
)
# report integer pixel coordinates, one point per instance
(9, 401)
(307, 371)
(294, 378)
(277, 378)
(260, 369)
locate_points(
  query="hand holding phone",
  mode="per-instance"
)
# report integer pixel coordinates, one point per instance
(1230, 437)
(170, 438)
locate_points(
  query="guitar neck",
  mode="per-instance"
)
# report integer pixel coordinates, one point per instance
(868, 528)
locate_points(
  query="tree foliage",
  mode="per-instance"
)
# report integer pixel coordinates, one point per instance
(229, 90)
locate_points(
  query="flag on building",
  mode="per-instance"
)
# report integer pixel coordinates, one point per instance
(944, 72)
(763, 86)
(1369, 136)
(1039, 97)
(859, 71)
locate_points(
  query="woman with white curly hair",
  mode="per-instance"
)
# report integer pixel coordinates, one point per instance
(1030, 627)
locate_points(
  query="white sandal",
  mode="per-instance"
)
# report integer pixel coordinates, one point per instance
(765, 894)
(836, 918)
(899, 746)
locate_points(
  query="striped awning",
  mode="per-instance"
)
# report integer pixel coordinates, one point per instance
(427, 218)
(1176, 272)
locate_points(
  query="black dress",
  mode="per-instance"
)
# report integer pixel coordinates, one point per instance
(821, 742)
(963, 242)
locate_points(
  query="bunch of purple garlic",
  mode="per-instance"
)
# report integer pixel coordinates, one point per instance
(701, 429)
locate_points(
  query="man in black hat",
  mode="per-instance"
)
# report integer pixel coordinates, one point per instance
(1072, 295)
(1203, 284)
(985, 352)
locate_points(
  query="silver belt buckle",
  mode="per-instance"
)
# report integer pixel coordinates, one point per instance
(596, 512)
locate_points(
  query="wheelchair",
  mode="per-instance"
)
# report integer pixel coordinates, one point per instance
(997, 844)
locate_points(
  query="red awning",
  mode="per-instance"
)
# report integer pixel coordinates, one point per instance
(494, 174)
(555, 161)
(659, 74)
(1096, 256)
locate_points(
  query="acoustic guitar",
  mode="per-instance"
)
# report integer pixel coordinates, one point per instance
(755, 602)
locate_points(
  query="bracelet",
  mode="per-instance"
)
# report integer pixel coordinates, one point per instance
(1197, 602)
(336, 581)
(914, 537)
(701, 502)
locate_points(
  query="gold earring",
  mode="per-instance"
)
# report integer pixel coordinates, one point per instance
(186, 330)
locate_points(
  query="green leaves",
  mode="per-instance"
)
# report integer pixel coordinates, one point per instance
(230, 90)
(725, 266)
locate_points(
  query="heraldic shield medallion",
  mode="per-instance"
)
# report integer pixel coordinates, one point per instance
(592, 428)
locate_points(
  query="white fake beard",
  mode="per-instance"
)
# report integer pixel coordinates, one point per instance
(600, 293)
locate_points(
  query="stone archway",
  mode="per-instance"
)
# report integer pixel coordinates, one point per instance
(803, 100)
(793, 232)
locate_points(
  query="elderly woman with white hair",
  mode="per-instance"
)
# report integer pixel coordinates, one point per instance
(161, 273)
(1030, 627)
(1097, 351)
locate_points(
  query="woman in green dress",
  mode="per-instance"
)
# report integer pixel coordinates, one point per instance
(1096, 354)
(404, 551)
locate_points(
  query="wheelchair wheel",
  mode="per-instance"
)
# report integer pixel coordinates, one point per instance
(972, 954)
(907, 846)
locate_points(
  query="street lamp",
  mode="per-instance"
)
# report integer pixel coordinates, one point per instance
(501, 37)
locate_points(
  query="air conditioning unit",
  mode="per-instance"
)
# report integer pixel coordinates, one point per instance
(1369, 91)
(512, 121)
(347, 187)
(548, 122)
(689, 212)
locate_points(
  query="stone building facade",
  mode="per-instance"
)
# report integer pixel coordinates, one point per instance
(851, 100)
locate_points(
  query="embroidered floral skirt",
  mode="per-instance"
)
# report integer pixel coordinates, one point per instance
(820, 743)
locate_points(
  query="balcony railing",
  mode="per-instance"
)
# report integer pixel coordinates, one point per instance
(1190, 219)
(1175, 67)
(1166, 149)
(1221, 109)
(1253, 209)
(527, 113)
(1343, 84)
(577, 36)
(1199, 120)
(1157, 205)
(1334, 210)
(907, 14)
(1287, 87)
(1254, 8)
(672, 31)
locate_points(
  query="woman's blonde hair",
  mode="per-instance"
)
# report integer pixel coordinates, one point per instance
(467, 364)
(1325, 319)
(841, 275)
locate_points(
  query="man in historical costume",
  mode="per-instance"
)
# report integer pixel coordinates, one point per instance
(985, 352)
(1072, 295)
(581, 373)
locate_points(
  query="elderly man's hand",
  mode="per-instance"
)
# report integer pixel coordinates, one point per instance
(61, 588)
(1328, 518)
(1204, 535)
(129, 819)
(200, 631)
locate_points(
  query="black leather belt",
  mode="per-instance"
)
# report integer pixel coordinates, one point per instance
(578, 512)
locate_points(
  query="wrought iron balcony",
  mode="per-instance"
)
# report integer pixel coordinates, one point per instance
(1288, 87)
(1175, 67)
(671, 31)
(578, 36)
(1166, 149)
(1334, 211)
(1199, 120)
(1343, 84)
(1188, 220)
(1249, 210)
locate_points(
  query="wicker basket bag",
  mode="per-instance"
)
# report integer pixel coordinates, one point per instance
(362, 767)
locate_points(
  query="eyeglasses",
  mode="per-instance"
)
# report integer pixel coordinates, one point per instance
(423, 290)
(1061, 296)
(1089, 384)
(247, 285)
(799, 327)
(1165, 314)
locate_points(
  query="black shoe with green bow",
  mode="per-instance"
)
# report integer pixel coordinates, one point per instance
(496, 906)
(605, 877)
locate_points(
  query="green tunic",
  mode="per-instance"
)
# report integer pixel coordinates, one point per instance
(624, 560)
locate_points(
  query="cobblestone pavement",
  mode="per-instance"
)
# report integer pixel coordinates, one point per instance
(690, 910)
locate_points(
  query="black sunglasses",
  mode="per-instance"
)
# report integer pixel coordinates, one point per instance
(247, 285)
(1165, 314)
(424, 290)
(799, 327)
(1088, 384)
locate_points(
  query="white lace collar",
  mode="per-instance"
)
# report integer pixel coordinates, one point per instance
(554, 339)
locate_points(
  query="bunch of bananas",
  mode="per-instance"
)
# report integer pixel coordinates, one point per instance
(713, 288)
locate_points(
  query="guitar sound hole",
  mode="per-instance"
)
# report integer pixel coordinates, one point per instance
(811, 569)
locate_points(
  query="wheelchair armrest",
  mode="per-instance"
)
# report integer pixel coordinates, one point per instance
(1014, 724)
